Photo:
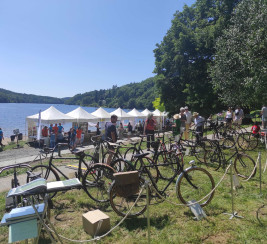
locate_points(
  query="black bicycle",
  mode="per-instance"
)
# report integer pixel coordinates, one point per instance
(193, 183)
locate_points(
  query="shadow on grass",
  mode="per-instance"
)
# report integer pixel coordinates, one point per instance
(137, 223)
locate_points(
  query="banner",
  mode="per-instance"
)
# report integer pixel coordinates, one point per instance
(39, 130)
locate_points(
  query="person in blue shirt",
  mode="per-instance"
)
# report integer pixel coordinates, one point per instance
(60, 128)
(1, 137)
(52, 139)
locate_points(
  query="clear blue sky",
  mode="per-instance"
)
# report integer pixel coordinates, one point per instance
(61, 48)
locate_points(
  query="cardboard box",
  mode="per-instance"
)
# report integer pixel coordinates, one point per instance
(91, 220)
(126, 178)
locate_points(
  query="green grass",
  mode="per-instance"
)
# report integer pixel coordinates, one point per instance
(170, 223)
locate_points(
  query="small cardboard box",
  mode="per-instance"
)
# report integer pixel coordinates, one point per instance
(91, 220)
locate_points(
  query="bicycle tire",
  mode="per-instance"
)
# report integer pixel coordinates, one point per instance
(153, 169)
(201, 179)
(97, 180)
(121, 165)
(246, 141)
(167, 170)
(199, 151)
(122, 205)
(244, 166)
(128, 155)
(47, 173)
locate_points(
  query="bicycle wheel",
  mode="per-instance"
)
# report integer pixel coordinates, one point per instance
(43, 171)
(97, 181)
(128, 155)
(228, 142)
(122, 205)
(244, 166)
(247, 141)
(166, 169)
(199, 151)
(121, 165)
(152, 168)
(194, 184)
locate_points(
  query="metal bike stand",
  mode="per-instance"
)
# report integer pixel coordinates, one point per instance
(147, 207)
(234, 213)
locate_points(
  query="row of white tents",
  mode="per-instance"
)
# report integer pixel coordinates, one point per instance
(52, 115)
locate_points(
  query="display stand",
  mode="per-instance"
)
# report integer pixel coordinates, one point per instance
(26, 222)
(234, 213)
(16, 133)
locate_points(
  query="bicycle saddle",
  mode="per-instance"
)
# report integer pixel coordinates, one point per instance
(140, 155)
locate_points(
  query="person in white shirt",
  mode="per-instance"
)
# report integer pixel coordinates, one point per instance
(199, 123)
(264, 116)
(238, 116)
(187, 122)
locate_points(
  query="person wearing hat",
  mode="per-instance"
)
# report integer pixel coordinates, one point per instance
(199, 123)
(187, 122)
(176, 127)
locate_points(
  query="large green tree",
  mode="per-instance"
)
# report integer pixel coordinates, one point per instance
(183, 57)
(239, 73)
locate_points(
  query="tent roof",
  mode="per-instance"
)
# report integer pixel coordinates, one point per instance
(146, 112)
(136, 113)
(121, 114)
(81, 115)
(157, 113)
(51, 115)
(101, 113)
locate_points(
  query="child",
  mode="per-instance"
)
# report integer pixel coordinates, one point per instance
(255, 129)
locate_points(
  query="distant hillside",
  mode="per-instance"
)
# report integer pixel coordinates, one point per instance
(133, 95)
(13, 97)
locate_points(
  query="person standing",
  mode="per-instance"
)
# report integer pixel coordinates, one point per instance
(45, 132)
(72, 138)
(182, 119)
(149, 129)
(229, 116)
(176, 127)
(187, 122)
(111, 135)
(50, 129)
(264, 116)
(60, 128)
(120, 130)
(1, 138)
(78, 135)
(97, 129)
(238, 116)
(52, 139)
(199, 123)
(130, 130)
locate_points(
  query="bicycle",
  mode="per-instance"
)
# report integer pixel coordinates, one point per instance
(244, 165)
(95, 177)
(193, 183)
(13, 202)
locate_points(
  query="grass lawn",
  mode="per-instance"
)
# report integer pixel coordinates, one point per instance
(171, 223)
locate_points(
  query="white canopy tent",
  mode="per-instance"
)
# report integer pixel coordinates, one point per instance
(157, 113)
(82, 116)
(122, 114)
(146, 112)
(51, 115)
(101, 114)
(136, 113)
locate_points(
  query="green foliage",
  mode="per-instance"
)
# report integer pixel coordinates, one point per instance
(157, 104)
(183, 57)
(13, 97)
(240, 61)
(134, 95)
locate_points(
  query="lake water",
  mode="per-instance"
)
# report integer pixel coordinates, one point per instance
(13, 115)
